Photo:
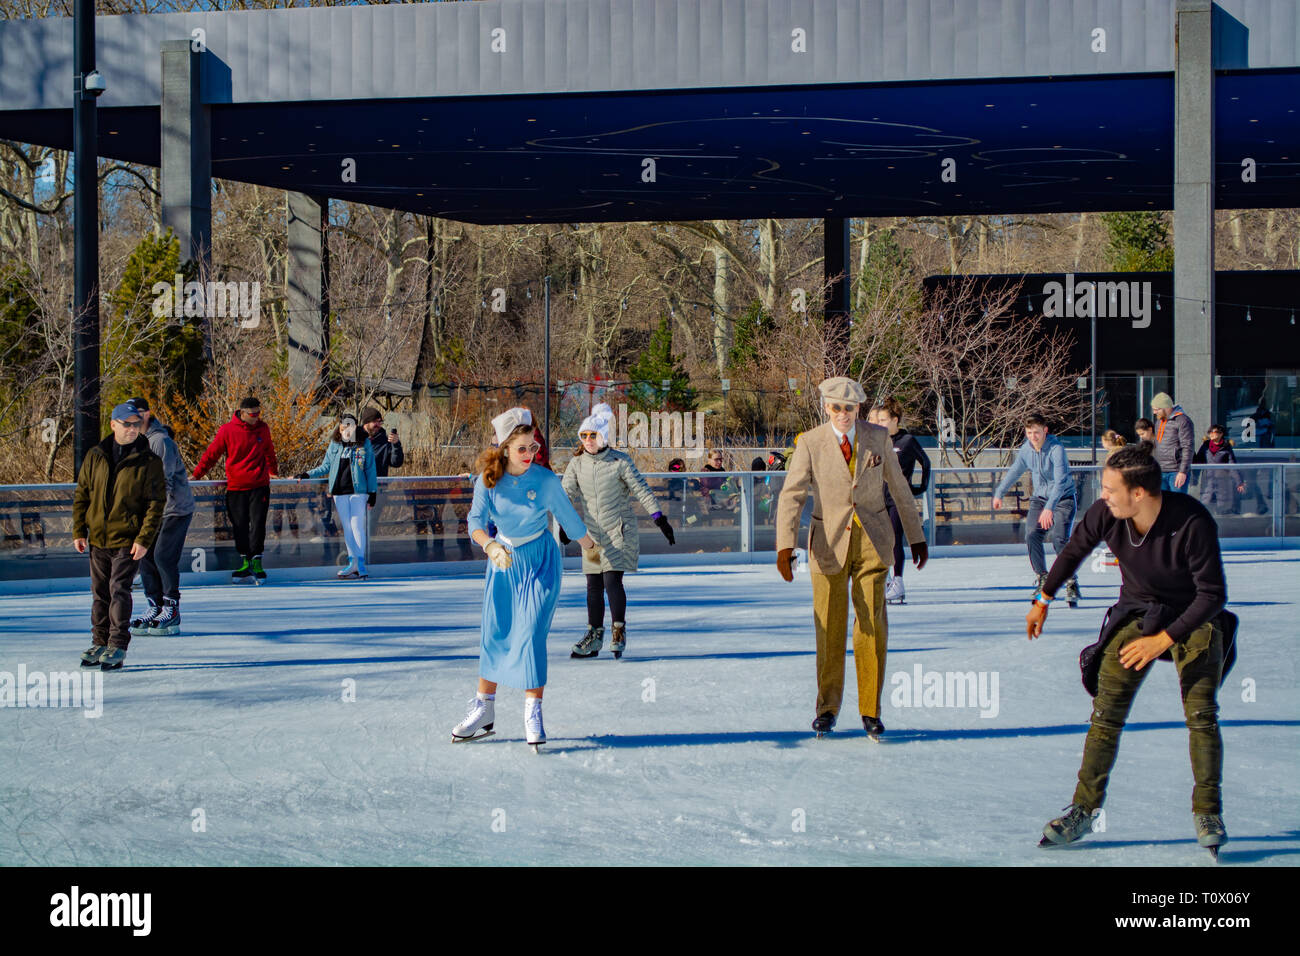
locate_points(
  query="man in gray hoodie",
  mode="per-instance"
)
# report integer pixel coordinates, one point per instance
(1175, 439)
(160, 568)
(1055, 499)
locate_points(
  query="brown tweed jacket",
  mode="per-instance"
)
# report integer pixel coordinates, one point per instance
(818, 465)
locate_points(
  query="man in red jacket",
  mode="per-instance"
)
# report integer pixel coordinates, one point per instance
(245, 441)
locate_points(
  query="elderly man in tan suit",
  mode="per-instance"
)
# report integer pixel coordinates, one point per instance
(847, 464)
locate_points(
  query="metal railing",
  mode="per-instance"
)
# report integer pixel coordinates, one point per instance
(424, 519)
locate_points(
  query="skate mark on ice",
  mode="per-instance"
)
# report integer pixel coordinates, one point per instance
(307, 661)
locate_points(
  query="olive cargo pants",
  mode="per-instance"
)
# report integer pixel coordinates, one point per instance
(1199, 661)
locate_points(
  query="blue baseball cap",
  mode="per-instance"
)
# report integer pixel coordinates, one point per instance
(124, 411)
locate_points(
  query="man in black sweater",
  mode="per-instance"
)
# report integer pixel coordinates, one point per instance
(1170, 606)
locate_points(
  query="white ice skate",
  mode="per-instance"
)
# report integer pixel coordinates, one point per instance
(477, 723)
(534, 732)
(894, 593)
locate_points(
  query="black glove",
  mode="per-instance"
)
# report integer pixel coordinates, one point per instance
(302, 476)
(920, 554)
(370, 499)
(564, 538)
(666, 528)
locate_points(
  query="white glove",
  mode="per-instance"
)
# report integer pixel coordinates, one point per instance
(498, 554)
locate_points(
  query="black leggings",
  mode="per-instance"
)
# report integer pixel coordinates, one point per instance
(898, 538)
(598, 585)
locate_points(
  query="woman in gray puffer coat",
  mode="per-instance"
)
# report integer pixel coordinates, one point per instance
(601, 483)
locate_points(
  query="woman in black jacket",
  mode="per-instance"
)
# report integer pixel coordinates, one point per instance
(888, 413)
(1217, 483)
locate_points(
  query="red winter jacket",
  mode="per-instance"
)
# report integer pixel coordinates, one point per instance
(250, 456)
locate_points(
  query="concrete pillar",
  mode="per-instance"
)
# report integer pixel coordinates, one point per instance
(186, 153)
(835, 272)
(307, 288)
(1194, 211)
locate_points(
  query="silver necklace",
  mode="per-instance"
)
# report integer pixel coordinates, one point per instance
(1128, 523)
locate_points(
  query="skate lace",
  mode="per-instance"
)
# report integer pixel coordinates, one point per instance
(533, 721)
(591, 638)
(475, 710)
(1074, 817)
(1208, 823)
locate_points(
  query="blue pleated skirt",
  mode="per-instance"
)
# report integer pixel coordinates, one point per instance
(518, 605)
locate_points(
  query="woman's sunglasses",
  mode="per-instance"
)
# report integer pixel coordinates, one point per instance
(586, 435)
(532, 449)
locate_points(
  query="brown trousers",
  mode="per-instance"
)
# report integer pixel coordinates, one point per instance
(863, 577)
(111, 572)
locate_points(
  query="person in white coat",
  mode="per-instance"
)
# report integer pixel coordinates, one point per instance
(601, 482)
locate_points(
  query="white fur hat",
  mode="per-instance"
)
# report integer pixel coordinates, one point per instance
(509, 420)
(598, 421)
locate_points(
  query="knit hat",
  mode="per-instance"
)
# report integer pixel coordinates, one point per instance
(348, 417)
(842, 389)
(250, 402)
(509, 420)
(598, 421)
(1162, 400)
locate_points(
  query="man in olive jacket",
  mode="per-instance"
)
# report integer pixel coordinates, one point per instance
(116, 512)
(847, 464)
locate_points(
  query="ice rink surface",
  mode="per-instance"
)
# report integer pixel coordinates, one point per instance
(236, 744)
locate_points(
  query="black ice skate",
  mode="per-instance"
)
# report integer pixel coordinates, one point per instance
(590, 644)
(112, 658)
(824, 724)
(91, 656)
(243, 573)
(1072, 592)
(874, 728)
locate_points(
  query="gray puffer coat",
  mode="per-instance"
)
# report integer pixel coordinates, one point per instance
(601, 486)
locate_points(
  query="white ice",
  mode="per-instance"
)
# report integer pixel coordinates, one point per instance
(234, 745)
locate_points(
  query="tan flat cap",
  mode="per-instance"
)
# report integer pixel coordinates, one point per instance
(842, 389)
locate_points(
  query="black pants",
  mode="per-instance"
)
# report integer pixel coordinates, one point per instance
(160, 570)
(247, 510)
(111, 572)
(598, 585)
(897, 522)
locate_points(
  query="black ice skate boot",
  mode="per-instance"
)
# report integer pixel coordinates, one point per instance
(590, 644)
(872, 725)
(824, 724)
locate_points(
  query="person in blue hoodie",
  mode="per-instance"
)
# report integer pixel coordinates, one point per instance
(1055, 498)
(353, 487)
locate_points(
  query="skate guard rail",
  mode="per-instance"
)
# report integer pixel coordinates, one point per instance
(420, 522)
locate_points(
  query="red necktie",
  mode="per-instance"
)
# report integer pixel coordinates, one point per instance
(846, 448)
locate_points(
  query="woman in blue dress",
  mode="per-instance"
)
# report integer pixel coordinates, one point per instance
(523, 574)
